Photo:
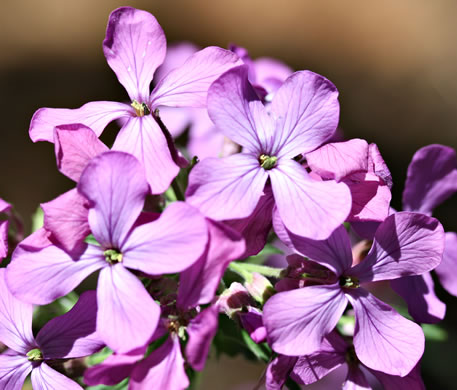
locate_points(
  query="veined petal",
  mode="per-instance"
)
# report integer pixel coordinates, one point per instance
(13, 371)
(412, 381)
(227, 188)
(177, 54)
(168, 245)
(405, 244)
(278, 371)
(383, 339)
(46, 378)
(127, 315)
(3, 239)
(95, 115)
(334, 253)
(431, 178)
(15, 320)
(162, 369)
(339, 159)
(446, 271)
(309, 108)
(142, 137)
(419, 293)
(356, 380)
(235, 108)
(73, 334)
(198, 283)
(298, 320)
(115, 184)
(187, 85)
(270, 74)
(134, 47)
(66, 217)
(308, 208)
(42, 276)
(75, 146)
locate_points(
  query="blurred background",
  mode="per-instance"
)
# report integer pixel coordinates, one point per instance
(394, 63)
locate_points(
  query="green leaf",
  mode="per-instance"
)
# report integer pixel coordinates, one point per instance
(434, 332)
(268, 250)
(99, 357)
(120, 386)
(255, 348)
(90, 239)
(37, 219)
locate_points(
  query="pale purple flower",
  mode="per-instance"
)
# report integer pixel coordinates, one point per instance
(297, 321)
(71, 335)
(4, 207)
(115, 185)
(134, 47)
(303, 114)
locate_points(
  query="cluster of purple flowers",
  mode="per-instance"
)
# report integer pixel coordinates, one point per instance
(161, 229)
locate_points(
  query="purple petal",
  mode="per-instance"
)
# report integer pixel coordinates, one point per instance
(42, 276)
(412, 381)
(431, 178)
(270, 73)
(95, 115)
(252, 322)
(331, 355)
(46, 378)
(383, 339)
(3, 239)
(227, 188)
(75, 146)
(13, 371)
(127, 315)
(236, 110)
(134, 47)
(187, 85)
(356, 380)
(168, 245)
(198, 283)
(447, 270)
(142, 137)
(334, 253)
(115, 184)
(66, 217)
(309, 108)
(339, 159)
(305, 204)
(377, 165)
(418, 292)
(298, 320)
(73, 334)
(405, 244)
(201, 331)
(4, 206)
(177, 54)
(162, 369)
(15, 320)
(278, 372)
(176, 119)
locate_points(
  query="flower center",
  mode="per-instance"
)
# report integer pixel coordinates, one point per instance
(141, 109)
(113, 256)
(349, 282)
(267, 162)
(34, 355)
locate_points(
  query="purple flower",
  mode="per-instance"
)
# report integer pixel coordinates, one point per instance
(134, 47)
(303, 114)
(298, 320)
(4, 207)
(115, 185)
(71, 335)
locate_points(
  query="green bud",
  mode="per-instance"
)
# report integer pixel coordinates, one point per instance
(34, 355)
(112, 256)
(267, 162)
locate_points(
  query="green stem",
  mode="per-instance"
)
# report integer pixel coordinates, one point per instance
(245, 270)
(175, 185)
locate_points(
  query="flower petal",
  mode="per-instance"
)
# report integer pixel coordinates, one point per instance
(15, 320)
(168, 245)
(42, 276)
(418, 292)
(13, 371)
(127, 315)
(309, 208)
(431, 178)
(412, 381)
(198, 283)
(134, 47)
(75, 146)
(115, 184)
(95, 115)
(227, 188)
(278, 372)
(66, 217)
(162, 369)
(446, 271)
(383, 339)
(298, 320)
(309, 108)
(356, 380)
(142, 137)
(187, 85)
(73, 334)
(3, 239)
(405, 244)
(177, 54)
(46, 378)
